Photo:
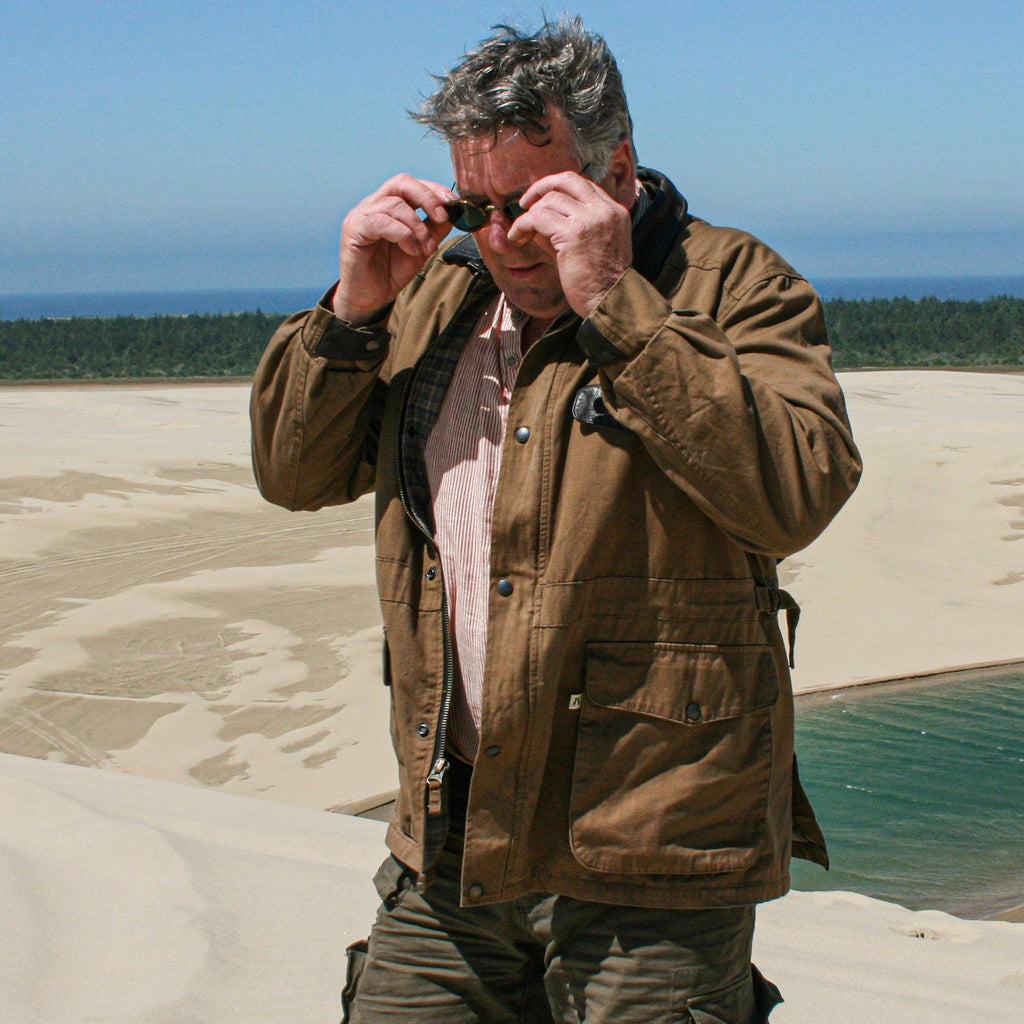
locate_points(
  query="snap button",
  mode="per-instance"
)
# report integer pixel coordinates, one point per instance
(523, 434)
(372, 345)
(423, 729)
(431, 573)
(693, 713)
(505, 587)
(493, 751)
(476, 890)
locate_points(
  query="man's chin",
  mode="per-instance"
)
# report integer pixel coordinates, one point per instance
(541, 304)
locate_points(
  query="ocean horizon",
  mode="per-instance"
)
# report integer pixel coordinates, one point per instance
(33, 306)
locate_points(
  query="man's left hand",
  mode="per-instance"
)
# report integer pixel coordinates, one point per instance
(588, 232)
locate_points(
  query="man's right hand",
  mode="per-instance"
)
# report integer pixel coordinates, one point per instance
(384, 243)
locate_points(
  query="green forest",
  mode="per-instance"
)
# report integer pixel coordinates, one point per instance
(863, 333)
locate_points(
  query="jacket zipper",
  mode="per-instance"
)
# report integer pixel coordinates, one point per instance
(435, 780)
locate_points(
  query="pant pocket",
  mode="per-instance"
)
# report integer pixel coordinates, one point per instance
(748, 1001)
(356, 956)
(392, 881)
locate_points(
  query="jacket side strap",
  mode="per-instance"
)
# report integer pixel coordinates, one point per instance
(771, 600)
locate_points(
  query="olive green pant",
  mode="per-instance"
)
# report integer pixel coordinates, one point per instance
(545, 958)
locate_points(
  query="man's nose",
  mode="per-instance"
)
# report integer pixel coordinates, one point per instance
(497, 229)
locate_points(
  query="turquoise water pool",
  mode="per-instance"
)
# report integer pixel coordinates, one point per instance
(920, 791)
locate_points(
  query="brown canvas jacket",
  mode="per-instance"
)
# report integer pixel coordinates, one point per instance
(661, 456)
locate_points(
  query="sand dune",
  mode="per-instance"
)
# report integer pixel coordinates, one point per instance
(924, 569)
(162, 621)
(166, 620)
(127, 900)
(134, 901)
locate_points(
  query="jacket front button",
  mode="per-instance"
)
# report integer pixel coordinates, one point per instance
(505, 588)
(493, 751)
(423, 729)
(523, 434)
(431, 573)
(476, 890)
(693, 713)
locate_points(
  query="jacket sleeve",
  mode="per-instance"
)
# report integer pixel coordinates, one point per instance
(741, 410)
(317, 400)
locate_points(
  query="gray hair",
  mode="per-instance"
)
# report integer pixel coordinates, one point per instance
(512, 78)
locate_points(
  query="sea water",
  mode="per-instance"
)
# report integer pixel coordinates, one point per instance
(920, 792)
(159, 303)
(288, 300)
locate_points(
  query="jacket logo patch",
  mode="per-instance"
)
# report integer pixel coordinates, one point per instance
(588, 407)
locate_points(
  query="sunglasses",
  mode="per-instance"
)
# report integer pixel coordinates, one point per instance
(467, 216)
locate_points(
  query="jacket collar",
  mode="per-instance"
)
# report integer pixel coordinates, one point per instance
(465, 253)
(660, 225)
(652, 235)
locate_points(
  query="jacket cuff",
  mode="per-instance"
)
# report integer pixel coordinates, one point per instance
(326, 336)
(629, 315)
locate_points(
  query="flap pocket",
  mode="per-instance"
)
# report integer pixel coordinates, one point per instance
(687, 683)
(673, 758)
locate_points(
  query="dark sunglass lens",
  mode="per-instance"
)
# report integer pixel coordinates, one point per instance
(513, 210)
(465, 216)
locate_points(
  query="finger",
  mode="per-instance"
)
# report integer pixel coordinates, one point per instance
(405, 230)
(543, 220)
(438, 231)
(556, 202)
(381, 232)
(418, 193)
(568, 182)
(526, 229)
(392, 219)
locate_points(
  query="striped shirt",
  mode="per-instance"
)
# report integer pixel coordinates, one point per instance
(463, 459)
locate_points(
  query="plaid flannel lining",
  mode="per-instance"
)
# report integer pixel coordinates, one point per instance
(426, 395)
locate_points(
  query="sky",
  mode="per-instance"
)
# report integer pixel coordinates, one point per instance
(186, 145)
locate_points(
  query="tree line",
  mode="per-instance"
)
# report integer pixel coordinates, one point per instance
(926, 332)
(129, 347)
(863, 333)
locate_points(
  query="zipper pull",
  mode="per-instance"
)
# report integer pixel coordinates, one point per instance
(435, 785)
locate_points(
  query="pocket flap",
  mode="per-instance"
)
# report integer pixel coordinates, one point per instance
(686, 683)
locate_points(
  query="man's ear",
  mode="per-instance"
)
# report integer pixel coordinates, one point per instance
(620, 181)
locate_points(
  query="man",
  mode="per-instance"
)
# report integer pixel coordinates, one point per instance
(593, 423)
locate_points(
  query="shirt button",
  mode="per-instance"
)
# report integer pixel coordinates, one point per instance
(693, 712)
(523, 435)
(511, 359)
(476, 890)
(423, 729)
(493, 751)
(505, 588)
(431, 573)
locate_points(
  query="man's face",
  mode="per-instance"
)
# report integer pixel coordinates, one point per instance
(498, 171)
